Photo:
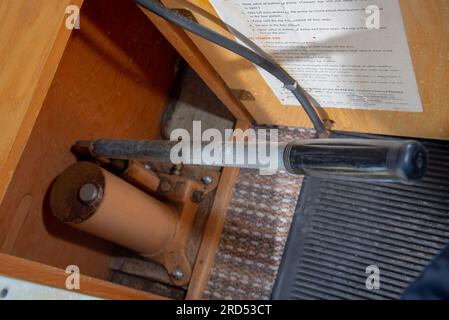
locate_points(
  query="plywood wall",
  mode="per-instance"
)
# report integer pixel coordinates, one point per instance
(113, 81)
(32, 40)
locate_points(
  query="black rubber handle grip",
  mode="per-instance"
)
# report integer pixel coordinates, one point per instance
(355, 159)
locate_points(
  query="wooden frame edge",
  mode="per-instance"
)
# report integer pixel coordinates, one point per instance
(212, 234)
(43, 274)
(40, 92)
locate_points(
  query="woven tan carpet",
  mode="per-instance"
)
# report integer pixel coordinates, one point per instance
(256, 228)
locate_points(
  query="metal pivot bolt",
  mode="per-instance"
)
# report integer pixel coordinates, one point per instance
(165, 186)
(177, 273)
(89, 193)
(207, 180)
(177, 169)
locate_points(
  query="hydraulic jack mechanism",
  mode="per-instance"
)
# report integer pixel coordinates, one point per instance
(114, 197)
(127, 203)
(110, 194)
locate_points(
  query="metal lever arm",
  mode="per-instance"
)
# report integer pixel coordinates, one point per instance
(357, 159)
(327, 158)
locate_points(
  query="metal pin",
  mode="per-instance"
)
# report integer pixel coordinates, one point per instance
(88, 193)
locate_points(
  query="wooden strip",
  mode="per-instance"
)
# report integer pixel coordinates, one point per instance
(43, 274)
(188, 50)
(212, 234)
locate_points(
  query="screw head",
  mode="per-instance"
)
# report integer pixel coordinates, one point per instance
(89, 193)
(177, 169)
(165, 186)
(177, 273)
(207, 180)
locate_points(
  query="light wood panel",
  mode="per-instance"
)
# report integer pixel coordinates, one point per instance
(113, 82)
(427, 27)
(214, 228)
(22, 269)
(32, 39)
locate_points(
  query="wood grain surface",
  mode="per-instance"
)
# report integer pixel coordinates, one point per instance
(427, 27)
(22, 269)
(113, 81)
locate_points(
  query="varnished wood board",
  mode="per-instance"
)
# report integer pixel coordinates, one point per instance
(113, 82)
(33, 37)
(427, 27)
(23, 269)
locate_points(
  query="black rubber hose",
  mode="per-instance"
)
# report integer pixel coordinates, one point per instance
(291, 84)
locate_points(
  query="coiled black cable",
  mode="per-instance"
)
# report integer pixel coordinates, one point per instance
(289, 83)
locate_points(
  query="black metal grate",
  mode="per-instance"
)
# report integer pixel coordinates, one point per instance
(340, 228)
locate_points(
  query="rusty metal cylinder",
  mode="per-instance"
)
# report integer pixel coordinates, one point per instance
(95, 201)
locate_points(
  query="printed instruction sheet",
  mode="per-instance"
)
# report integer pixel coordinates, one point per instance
(345, 53)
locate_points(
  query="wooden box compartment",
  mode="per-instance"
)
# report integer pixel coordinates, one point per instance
(111, 78)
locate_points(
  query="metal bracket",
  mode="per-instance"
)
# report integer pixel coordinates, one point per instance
(184, 194)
